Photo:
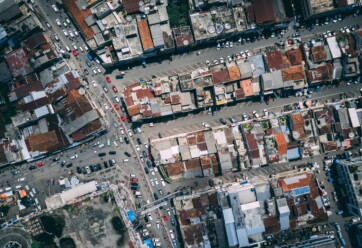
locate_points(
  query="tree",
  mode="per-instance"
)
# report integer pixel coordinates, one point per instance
(67, 242)
(53, 224)
(118, 225)
(4, 209)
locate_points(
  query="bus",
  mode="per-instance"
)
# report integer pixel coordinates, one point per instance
(109, 142)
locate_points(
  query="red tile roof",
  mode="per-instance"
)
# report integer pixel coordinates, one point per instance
(42, 142)
(276, 60)
(319, 53)
(131, 6)
(220, 77)
(295, 56)
(145, 34)
(250, 13)
(300, 182)
(35, 41)
(294, 73)
(175, 169)
(281, 143)
(18, 63)
(263, 11)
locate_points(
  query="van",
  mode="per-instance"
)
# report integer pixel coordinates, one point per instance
(137, 193)
(115, 144)
(121, 139)
(36, 201)
(139, 130)
(27, 187)
(18, 186)
(8, 189)
(34, 191)
(125, 160)
(101, 145)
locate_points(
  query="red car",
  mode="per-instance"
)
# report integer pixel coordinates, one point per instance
(114, 88)
(108, 79)
(116, 106)
(41, 164)
(123, 118)
(165, 217)
(133, 179)
(74, 53)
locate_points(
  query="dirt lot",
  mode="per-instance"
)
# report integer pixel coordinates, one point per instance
(89, 224)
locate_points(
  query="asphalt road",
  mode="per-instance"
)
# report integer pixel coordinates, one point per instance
(180, 63)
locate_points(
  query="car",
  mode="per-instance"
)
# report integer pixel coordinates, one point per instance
(112, 152)
(158, 224)
(71, 33)
(116, 106)
(126, 140)
(222, 60)
(98, 70)
(229, 58)
(165, 217)
(106, 106)
(56, 37)
(94, 71)
(211, 183)
(160, 191)
(232, 120)
(58, 22)
(48, 24)
(74, 53)
(108, 79)
(87, 169)
(21, 179)
(40, 164)
(130, 133)
(63, 163)
(207, 62)
(149, 164)
(74, 156)
(206, 125)
(266, 113)
(88, 63)
(127, 154)
(105, 89)
(69, 165)
(144, 153)
(114, 88)
(137, 147)
(222, 121)
(67, 20)
(149, 216)
(116, 98)
(255, 114)
(245, 117)
(65, 33)
(147, 170)
(65, 24)
(133, 179)
(32, 167)
(139, 141)
(216, 62)
(75, 46)
(86, 72)
(151, 181)
(339, 212)
(94, 83)
(102, 154)
(123, 120)
(173, 222)
(218, 46)
(155, 195)
(79, 170)
(86, 47)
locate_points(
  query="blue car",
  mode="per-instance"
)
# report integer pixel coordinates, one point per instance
(89, 56)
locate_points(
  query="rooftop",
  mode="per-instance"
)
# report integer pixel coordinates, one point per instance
(18, 62)
(264, 12)
(276, 60)
(202, 25)
(145, 34)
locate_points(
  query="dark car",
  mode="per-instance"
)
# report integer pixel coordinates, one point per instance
(149, 164)
(139, 141)
(99, 166)
(112, 152)
(156, 196)
(134, 184)
(160, 135)
(105, 164)
(223, 121)
(62, 163)
(134, 188)
(33, 167)
(88, 63)
(211, 183)
(138, 205)
(144, 153)
(69, 165)
(84, 171)
(173, 222)
(91, 168)
(86, 72)
(126, 140)
(79, 170)
(55, 159)
(127, 154)
(102, 154)
(146, 218)
(110, 163)
(147, 170)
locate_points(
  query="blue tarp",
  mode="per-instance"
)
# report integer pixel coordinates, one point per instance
(328, 174)
(301, 191)
(148, 242)
(293, 154)
(330, 179)
(130, 215)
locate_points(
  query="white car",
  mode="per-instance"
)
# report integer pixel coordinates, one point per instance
(21, 179)
(65, 33)
(94, 84)
(137, 147)
(255, 114)
(71, 33)
(75, 46)
(58, 22)
(266, 113)
(75, 32)
(163, 182)
(74, 157)
(116, 98)
(207, 62)
(231, 44)
(122, 131)
(56, 37)
(87, 170)
(106, 106)
(99, 70)
(152, 172)
(168, 212)
(158, 224)
(67, 20)
(156, 182)
(152, 183)
(85, 47)
(81, 49)
(216, 62)
(206, 125)
(218, 46)
(130, 133)
(245, 117)
(229, 58)
(146, 145)
(150, 217)
(94, 71)
(222, 60)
